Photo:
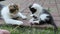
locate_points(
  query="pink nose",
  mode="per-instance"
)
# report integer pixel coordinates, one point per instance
(4, 32)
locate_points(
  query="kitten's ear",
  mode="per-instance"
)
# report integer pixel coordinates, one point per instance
(18, 6)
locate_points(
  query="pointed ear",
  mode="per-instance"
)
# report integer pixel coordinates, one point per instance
(17, 5)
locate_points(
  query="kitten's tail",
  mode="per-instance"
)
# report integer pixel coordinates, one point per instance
(55, 27)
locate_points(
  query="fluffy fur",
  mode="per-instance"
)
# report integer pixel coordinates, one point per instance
(12, 11)
(42, 17)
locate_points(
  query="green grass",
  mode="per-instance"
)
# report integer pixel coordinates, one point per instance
(28, 30)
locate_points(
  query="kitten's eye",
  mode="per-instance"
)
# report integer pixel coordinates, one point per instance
(15, 6)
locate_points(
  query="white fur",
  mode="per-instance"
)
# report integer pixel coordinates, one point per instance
(32, 21)
(43, 16)
(21, 15)
(37, 6)
(7, 16)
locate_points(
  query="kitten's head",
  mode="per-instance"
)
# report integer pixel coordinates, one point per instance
(34, 8)
(13, 8)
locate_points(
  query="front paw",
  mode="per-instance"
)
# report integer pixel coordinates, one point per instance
(31, 22)
(19, 23)
(34, 22)
(24, 18)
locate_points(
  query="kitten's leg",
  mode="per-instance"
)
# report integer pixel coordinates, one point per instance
(22, 16)
(13, 22)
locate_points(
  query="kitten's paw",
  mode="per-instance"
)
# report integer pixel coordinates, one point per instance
(24, 18)
(19, 23)
(31, 21)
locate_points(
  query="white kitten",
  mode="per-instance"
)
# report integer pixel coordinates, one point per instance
(6, 15)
